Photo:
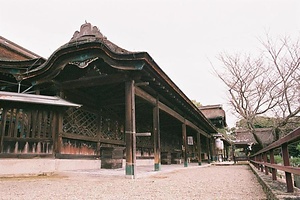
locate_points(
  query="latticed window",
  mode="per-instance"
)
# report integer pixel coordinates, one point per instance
(81, 122)
(26, 131)
(20, 123)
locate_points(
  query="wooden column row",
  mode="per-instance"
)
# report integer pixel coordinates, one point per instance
(156, 130)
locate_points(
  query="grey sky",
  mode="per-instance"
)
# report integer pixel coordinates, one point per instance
(182, 36)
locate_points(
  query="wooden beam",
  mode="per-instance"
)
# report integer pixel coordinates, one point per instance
(190, 124)
(79, 137)
(77, 156)
(10, 139)
(171, 112)
(94, 81)
(92, 139)
(290, 169)
(144, 95)
(144, 134)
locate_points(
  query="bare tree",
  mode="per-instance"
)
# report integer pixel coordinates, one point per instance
(285, 60)
(268, 84)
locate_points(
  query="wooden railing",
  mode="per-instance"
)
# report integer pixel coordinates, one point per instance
(261, 161)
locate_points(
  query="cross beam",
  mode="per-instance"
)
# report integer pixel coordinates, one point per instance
(144, 95)
(94, 81)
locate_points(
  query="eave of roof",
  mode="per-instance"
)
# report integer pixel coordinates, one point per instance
(35, 99)
(16, 48)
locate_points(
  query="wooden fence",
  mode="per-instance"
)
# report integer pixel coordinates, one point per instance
(264, 159)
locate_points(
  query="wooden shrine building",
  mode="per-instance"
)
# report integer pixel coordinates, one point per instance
(109, 97)
(245, 143)
(220, 144)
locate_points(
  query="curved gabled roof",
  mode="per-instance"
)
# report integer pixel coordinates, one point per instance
(12, 51)
(89, 44)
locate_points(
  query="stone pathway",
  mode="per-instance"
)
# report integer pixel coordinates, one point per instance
(172, 182)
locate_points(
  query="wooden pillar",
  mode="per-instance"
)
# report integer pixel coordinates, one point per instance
(266, 161)
(213, 149)
(59, 128)
(208, 149)
(224, 152)
(185, 146)
(272, 160)
(99, 120)
(261, 160)
(286, 162)
(233, 153)
(58, 134)
(130, 137)
(2, 128)
(56, 131)
(156, 133)
(199, 148)
(257, 159)
(227, 153)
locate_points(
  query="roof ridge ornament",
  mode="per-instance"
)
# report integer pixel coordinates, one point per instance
(87, 29)
(89, 33)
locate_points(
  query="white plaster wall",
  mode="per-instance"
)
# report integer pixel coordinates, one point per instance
(141, 162)
(16, 167)
(24, 167)
(68, 164)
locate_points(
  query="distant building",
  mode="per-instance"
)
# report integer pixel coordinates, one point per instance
(215, 114)
(244, 139)
(220, 144)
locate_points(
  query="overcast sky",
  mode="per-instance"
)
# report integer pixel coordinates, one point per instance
(183, 36)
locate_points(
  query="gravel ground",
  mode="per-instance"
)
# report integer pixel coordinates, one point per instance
(211, 182)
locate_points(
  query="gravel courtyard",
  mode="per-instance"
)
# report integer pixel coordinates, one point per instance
(209, 182)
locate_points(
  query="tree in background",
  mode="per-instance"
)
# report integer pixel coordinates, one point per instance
(268, 84)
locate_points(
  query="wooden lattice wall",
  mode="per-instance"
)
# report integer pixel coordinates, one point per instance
(84, 132)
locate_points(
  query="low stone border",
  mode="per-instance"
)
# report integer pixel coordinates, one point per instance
(274, 189)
